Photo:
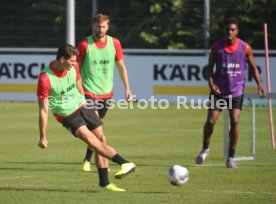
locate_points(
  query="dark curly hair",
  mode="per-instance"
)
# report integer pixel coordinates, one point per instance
(66, 51)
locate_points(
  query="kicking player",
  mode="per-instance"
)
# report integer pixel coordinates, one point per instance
(60, 90)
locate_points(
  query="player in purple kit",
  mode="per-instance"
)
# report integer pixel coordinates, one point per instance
(230, 55)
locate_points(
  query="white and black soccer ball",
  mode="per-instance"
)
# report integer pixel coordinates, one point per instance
(178, 175)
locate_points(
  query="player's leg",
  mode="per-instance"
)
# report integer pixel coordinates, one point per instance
(91, 104)
(212, 117)
(233, 137)
(92, 122)
(81, 123)
(77, 123)
(103, 106)
(234, 130)
(104, 183)
(234, 114)
(100, 107)
(94, 143)
(211, 120)
(105, 150)
(102, 166)
(87, 159)
(126, 166)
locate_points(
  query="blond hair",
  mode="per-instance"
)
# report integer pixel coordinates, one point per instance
(99, 18)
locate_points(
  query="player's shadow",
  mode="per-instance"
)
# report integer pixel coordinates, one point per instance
(40, 162)
(47, 190)
(37, 166)
(10, 169)
(60, 190)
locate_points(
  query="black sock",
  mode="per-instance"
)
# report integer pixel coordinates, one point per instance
(88, 155)
(103, 176)
(205, 145)
(231, 152)
(119, 160)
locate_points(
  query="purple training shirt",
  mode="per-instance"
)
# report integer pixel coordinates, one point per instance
(230, 70)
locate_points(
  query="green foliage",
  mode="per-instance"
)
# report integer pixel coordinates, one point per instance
(178, 24)
(251, 15)
(167, 24)
(147, 37)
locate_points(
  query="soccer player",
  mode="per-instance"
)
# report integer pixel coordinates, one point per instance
(60, 90)
(230, 56)
(99, 53)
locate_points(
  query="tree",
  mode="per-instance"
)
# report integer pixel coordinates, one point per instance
(166, 24)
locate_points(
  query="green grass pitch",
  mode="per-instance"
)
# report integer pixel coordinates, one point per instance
(152, 139)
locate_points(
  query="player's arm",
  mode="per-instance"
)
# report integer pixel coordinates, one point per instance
(124, 76)
(43, 88)
(78, 79)
(43, 119)
(254, 70)
(79, 87)
(210, 72)
(82, 47)
(119, 58)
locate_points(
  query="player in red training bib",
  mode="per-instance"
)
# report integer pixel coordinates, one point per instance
(99, 53)
(60, 90)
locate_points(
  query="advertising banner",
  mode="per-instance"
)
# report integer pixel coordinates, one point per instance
(161, 77)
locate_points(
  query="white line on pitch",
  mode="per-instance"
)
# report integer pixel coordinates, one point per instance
(220, 164)
(242, 192)
(15, 177)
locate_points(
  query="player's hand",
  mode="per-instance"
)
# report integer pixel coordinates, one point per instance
(128, 96)
(261, 92)
(43, 143)
(215, 89)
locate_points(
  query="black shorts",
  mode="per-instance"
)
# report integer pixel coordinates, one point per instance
(218, 103)
(100, 105)
(81, 117)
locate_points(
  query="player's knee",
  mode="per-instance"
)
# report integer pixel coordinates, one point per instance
(210, 123)
(98, 132)
(234, 123)
(81, 134)
(102, 137)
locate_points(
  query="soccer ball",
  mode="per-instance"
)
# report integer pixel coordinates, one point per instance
(178, 175)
